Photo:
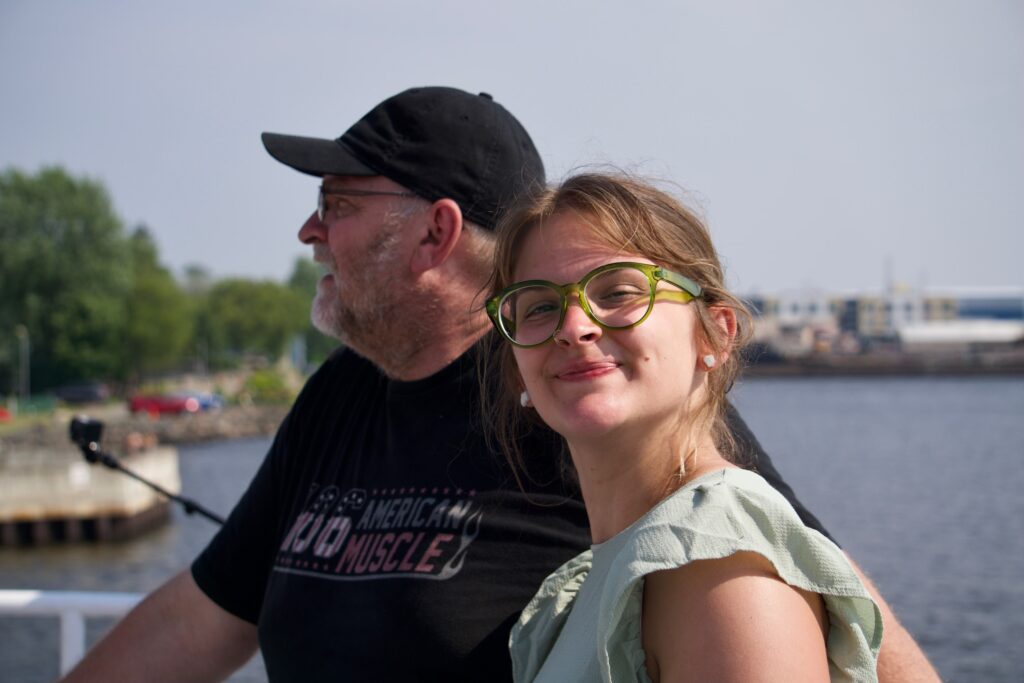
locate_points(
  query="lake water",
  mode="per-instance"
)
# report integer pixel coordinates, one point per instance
(920, 479)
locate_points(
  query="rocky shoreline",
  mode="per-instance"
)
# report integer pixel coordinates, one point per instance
(125, 433)
(888, 363)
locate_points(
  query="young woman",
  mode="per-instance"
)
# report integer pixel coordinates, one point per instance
(622, 340)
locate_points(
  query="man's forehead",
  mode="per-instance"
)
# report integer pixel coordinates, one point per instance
(352, 182)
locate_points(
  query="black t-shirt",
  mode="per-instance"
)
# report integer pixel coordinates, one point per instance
(382, 540)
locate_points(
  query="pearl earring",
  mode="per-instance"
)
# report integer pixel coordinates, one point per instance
(709, 361)
(524, 399)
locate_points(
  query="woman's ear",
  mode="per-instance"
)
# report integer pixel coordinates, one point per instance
(439, 235)
(524, 395)
(724, 318)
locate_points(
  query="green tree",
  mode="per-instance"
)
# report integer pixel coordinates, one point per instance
(198, 279)
(243, 317)
(304, 278)
(64, 274)
(160, 317)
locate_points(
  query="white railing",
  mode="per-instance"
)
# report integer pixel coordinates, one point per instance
(72, 607)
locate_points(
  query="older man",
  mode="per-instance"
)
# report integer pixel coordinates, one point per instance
(382, 540)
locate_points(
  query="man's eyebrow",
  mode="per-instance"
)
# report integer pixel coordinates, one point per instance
(338, 193)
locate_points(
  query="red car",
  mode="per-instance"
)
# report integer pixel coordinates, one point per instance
(158, 404)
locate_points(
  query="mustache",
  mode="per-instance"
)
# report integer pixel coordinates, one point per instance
(322, 256)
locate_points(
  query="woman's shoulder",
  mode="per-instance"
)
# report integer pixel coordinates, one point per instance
(752, 534)
(727, 487)
(727, 511)
(736, 606)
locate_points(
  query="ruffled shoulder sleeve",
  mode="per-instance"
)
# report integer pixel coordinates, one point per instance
(542, 619)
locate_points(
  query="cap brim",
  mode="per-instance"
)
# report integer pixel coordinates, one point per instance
(315, 156)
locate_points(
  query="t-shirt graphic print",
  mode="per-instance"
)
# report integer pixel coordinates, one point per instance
(361, 535)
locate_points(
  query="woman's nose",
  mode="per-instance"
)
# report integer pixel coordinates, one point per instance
(577, 327)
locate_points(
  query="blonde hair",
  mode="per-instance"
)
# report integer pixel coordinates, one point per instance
(631, 214)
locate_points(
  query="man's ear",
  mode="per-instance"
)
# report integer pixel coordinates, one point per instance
(438, 236)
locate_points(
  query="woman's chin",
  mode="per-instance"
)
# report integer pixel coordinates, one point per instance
(586, 420)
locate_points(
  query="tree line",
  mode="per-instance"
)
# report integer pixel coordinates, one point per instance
(89, 300)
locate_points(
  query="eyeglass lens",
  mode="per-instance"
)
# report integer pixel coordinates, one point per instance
(619, 297)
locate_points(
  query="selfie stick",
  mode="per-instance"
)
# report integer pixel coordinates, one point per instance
(85, 432)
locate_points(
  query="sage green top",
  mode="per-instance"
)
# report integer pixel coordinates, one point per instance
(584, 622)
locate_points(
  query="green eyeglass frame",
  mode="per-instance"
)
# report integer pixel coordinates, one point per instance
(689, 290)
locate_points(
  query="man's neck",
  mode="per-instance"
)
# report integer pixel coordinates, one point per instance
(426, 350)
(441, 316)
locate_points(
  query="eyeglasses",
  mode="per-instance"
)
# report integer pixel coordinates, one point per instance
(615, 296)
(322, 192)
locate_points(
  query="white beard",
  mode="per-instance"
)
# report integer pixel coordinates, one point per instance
(359, 310)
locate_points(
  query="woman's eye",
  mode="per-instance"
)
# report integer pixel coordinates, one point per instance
(620, 294)
(539, 310)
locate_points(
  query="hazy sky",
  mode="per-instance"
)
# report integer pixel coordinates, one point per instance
(820, 139)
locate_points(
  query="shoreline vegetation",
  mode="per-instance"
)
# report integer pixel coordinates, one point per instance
(125, 434)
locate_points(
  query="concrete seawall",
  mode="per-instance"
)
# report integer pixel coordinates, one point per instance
(55, 495)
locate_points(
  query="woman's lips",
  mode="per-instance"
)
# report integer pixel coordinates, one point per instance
(588, 370)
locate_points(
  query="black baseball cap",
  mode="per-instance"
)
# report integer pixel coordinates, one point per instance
(438, 142)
